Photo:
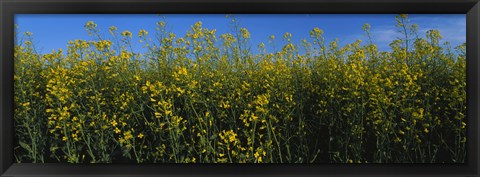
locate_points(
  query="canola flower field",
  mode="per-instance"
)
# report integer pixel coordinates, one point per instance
(207, 98)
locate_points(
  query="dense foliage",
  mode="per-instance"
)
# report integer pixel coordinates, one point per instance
(209, 98)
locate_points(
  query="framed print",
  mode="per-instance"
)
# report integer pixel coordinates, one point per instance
(239, 88)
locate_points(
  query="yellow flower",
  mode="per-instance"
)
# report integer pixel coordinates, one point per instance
(137, 77)
(128, 135)
(140, 135)
(245, 33)
(127, 33)
(121, 140)
(254, 117)
(158, 115)
(168, 112)
(114, 123)
(142, 33)
(256, 155)
(420, 111)
(112, 29)
(26, 104)
(90, 24)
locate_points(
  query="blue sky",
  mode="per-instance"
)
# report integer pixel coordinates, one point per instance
(53, 31)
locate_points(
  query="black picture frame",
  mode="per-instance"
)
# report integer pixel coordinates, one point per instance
(8, 8)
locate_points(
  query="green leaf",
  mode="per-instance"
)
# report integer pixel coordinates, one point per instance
(25, 146)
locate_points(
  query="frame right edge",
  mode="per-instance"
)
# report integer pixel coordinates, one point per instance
(473, 76)
(3, 167)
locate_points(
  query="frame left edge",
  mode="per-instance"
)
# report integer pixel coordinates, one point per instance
(6, 87)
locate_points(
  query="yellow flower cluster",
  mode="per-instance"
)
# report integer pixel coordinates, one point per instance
(203, 99)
